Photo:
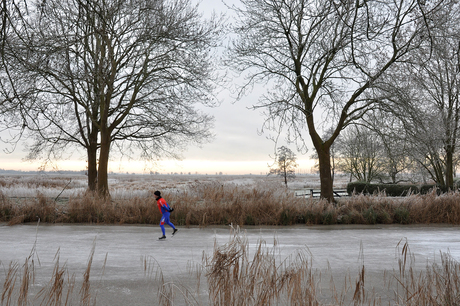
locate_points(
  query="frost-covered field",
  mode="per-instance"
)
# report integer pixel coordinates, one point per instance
(132, 185)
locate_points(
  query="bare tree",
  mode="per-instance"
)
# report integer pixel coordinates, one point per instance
(424, 95)
(10, 11)
(12, 92)
(423, 139)
(285, 164)
(115, 75)
(397, 165)
(360, 154)
(322, 57)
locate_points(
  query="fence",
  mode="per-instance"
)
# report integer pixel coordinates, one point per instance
(315, 193)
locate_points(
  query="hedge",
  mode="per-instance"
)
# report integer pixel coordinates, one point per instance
(393, 190)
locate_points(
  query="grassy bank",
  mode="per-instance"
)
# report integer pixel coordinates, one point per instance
(215, 203)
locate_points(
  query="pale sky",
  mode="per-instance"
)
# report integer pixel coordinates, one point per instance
(236, 149)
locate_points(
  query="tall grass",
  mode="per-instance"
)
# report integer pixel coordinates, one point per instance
(439, 284)
(234, 279)
(216, 203)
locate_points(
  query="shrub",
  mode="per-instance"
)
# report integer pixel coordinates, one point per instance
(328, 217)
(370, 216)
(310, 218)
(401, 215)
(393, 190)
(357, 188)
(383, 217)
(249, 220)
(428, 188)
(286, 217)
(7, 209)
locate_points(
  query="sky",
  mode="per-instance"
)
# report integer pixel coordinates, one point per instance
(237, 148)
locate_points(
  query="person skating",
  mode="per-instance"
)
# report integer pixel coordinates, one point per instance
(165, 211)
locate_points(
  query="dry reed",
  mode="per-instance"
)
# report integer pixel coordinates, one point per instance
(439, 284)
(215, 203)
(53, 293)
(234, 279)
(14, 278)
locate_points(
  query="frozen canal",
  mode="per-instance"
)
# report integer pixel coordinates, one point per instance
(127, 259)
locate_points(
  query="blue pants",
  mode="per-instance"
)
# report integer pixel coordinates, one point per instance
(165, 220)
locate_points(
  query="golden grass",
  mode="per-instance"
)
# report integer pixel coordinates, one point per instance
(439, 284)
(234, 279)
(215, 203)
(55, 292)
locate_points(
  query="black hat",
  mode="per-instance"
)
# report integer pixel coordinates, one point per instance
(157, 193)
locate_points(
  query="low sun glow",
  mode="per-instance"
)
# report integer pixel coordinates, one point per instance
(256, 167)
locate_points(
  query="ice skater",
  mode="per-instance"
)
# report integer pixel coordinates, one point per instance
(165, 212)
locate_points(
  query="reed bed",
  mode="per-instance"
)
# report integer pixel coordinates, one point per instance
(236, 279)
(236, 274)
(217, 203)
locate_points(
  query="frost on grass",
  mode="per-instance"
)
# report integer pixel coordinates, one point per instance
(129, 186)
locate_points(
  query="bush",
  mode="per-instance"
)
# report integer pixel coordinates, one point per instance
(401, 215)
(392, 190)
(7, 209)
(329, 217)
(309, 217)
(427, 188)
(249, 220)
(370, 216)
(286, 217)
(383, 217)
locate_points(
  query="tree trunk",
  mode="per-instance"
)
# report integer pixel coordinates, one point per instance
(323, 149)
(92, 159)
(285, 173)
(92, 168)
(439, 173)
(449, 168)
(102, 178)
(325, 175)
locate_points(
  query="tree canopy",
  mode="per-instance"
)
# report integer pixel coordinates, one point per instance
(423, 96)
(114, 75)
(285, 164)
(321, 59)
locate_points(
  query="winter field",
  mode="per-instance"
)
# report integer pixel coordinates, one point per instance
(318, 260)
(132, 185)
